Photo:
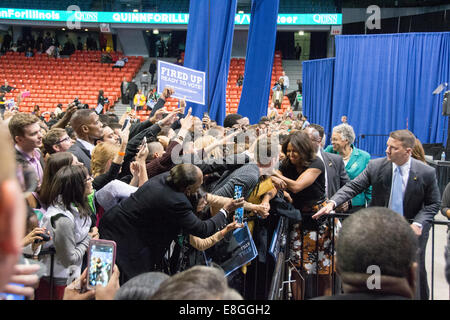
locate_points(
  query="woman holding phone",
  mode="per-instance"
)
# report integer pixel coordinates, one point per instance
(68, 218)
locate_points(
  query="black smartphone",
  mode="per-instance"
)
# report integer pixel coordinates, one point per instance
(127, 120)
(45, 237)
(239, 212)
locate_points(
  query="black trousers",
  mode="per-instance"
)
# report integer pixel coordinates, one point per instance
(422, 288)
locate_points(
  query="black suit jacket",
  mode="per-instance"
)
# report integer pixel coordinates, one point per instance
(144, 225)
(132, 90)
(337, 177)
(20, 158)
(422, 197)
(82, 154)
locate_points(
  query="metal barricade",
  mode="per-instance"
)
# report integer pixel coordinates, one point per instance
(276, 291)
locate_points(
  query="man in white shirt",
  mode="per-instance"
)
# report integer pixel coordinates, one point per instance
(286, 80)
(86, 124)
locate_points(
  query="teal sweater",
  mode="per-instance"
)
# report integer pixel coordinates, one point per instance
(355, 165)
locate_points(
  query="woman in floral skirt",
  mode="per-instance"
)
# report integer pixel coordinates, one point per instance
(310, 240)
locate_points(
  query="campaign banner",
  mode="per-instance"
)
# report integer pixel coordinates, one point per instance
(244, 253)
(189, 84)
(155, 17)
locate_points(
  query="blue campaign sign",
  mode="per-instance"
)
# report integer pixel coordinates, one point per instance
(244, 252)
(187, 83)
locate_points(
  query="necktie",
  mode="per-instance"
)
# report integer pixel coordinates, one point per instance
(397, 192)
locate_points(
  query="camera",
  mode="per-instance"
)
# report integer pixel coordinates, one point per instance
(78, 104)
(45, 237)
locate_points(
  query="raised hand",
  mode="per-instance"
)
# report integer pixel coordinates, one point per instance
(182, 105)
(134, 168)
(233, 226)
(125, 134)
(24, 274)
(109, 291)
(169, 119)
(324, 210)
(73, 290)
(188, 121)
(233, 204)
(33, 235)
(143, 153)
(262, 210)
(158, 115)
(167, 92)
(278, 183)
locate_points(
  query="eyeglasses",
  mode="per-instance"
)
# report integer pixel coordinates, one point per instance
(63, 140)
(89, 178)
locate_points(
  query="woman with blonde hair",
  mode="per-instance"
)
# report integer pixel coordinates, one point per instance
(107, 159)
(418, 152)
(206, 141)
(102, 158)
(106, 164)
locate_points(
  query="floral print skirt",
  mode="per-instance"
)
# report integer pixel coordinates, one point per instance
(312, 249)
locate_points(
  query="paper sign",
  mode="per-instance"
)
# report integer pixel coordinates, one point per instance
(99, 108)
(245, 253)
(336, 30)
(104, 27)
(187, 83)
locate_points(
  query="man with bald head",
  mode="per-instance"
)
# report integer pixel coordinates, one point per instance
(376, 239)
(155, 150)
(86, 124)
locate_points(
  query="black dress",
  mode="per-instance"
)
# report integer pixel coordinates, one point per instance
(305, 250)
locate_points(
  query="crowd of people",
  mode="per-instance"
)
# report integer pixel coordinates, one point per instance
(140, 94)
(30, 45)
(164, 191)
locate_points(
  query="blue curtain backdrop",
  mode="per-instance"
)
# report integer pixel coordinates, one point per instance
(213, 20)
(385, 82)
(259, 60)
(317, 78)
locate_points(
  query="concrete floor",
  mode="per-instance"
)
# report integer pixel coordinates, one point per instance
(441, 287)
